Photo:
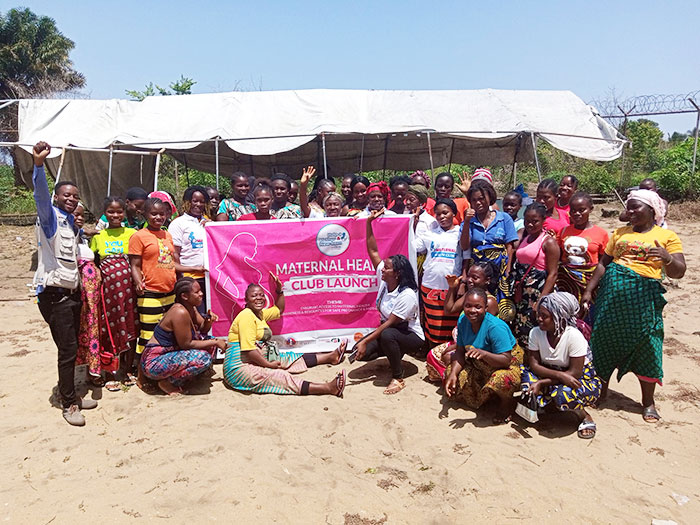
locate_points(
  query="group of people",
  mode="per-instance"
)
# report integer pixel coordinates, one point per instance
(539, 301)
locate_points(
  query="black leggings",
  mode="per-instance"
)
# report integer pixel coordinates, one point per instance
(393, 343)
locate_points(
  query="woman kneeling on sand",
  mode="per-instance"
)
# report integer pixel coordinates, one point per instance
(252, 362)
(175, 353)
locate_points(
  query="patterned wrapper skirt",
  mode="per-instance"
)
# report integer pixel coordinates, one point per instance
(90, 318)
(478, 380)
(252, 378)
(525, 315)
(574, 280)
(119, 303)
(438, 326)
(175, 365)
(497, 255)
(564, 397)
(151, 307)
(628, 329)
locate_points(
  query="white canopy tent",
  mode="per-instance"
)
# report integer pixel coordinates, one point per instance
(114, 144)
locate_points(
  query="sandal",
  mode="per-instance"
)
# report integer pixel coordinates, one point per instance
(343, 348)
(113, 386)
(129, 380)
(650, 415)
(586, 426)
(340, 381)
(396, 386)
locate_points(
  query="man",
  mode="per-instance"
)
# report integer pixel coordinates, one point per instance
(57, 280)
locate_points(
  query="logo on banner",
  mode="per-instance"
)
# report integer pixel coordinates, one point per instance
(332, 239)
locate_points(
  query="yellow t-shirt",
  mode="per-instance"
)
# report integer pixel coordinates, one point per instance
(631, 249)
(247, 328)
(112, 241)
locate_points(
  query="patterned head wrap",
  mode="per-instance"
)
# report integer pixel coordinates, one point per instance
(422, 175)
(420, 191)
(483, 174)
(165, 198)
(651, 199)
(381, 187)
(564, 307)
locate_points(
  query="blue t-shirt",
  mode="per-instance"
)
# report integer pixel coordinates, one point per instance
(494, 335)
(500, 231)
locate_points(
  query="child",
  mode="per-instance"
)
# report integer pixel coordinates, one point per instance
(512, 202)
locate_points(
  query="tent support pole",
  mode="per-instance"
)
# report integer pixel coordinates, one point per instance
(362, 153)
(325, 165)
(109, 171)
(386, 147)
(155, 178)
(452, 150)
(216, 152)
(537, 160)
(430, 152)
(695, 146)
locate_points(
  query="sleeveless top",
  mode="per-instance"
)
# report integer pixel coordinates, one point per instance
(531, 253)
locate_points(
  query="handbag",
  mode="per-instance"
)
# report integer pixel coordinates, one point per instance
(526, 408)
(518, 286)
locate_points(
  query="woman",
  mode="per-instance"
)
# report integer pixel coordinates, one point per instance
(91, 320)
(214, 202)
(151, 253)
(323, 187)
(567, 187)
(358, 192)
(487, 360)
(415, 200)
(187, 232)
(346, 189)
(252, 363)
(582, 244)
(556, 220)
(480, 275)
(133, 218)
(558, 368)
(628, 329)
(489, 236)
(444, 185)
(534, 271)
(397, 301)
(281, 208)
(119, 331)
(398, 186)
(262, 196)
(176, 353)
(441, 246)
(170, 208)
(232, 208)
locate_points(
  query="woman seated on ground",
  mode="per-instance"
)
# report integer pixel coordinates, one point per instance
(479, 275)
(358, 193)
(253, 363)
(534, 272)
(559, 370)
(556, 219)
(176, 352)
(397, 301)
(628, 330)
(327, 202)
(262, 195)
(487, 360)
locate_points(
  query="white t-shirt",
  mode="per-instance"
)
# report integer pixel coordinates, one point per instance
(571, 344)
(425, 222)
(188, 234)
(441, 249)
(403, 304)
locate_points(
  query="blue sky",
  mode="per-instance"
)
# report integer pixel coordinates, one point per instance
(590, 48)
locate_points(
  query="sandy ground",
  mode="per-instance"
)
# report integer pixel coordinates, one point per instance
(365, 459)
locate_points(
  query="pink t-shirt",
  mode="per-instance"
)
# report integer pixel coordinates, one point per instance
(557, 225)
(531, 253)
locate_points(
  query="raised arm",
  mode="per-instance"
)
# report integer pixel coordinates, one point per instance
(303, 187)
(372, 249)
(464, 239)
(42, 196)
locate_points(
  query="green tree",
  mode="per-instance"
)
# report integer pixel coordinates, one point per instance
(34, 62)
(647, 139)
(182, 86)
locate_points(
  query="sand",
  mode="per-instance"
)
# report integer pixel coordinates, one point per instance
(365, 459)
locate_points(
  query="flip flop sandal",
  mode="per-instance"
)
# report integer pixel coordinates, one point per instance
(340, 381)
(650, 415)
(113, 386)
(342, 354)
(129, 380)
(586, 425)
(399, 385)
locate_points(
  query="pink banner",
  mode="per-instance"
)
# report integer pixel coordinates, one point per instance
(330, 285)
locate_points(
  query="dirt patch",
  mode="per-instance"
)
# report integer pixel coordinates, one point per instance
(356, 519)
(684, 211)
(19, 353)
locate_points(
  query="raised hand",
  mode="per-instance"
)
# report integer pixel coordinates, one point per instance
(374, 214)
(465, 182)
(453, 281)
(277, 282)
(40, 152)
(306, 175)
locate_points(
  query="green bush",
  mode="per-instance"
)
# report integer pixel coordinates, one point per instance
(14, 200)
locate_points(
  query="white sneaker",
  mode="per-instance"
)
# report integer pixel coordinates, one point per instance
(73, 416)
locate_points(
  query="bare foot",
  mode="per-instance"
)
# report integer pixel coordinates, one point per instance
(170, 389)
(340, 352)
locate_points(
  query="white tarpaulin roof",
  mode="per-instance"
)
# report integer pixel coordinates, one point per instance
(264, 132)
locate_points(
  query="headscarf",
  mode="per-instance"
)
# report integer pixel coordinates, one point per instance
(165, 198)
(381, 187)
(564, 307)
(422, 175)
(651, 199)
(483, 174)
(420, 191)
